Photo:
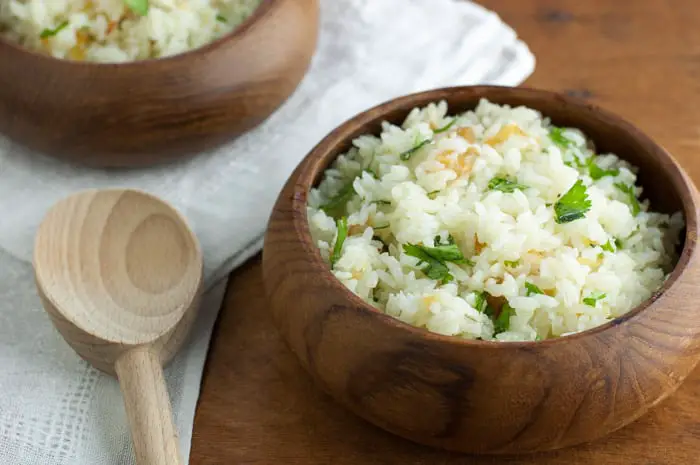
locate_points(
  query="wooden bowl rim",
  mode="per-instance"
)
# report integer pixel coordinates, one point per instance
(212, 46)
(305, 176)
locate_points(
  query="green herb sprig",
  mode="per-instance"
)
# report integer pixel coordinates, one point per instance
(502, 321)
(446, 127)
(505, 185)
(632, 200)
(593, 299)
(434, 268)
(608, 247)
(500, 318)
(335, 207)
(596, 172)
(342, 225)
(480, 302)
(573, 205)
(558, 137)
(532, 289)
(405, 156)
(577, 163)
(435, 259)
(46, 33)
(140, 7)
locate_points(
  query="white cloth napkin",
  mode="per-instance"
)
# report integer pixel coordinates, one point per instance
(54, 408)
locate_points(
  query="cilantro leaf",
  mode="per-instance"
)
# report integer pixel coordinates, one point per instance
(221, 18)
(336, 206)
(532, 289)
(342, 225)
(434, 269)
(433, 194)
(140, 7)
(419, 145)
(46, 33)
(445, 127)
(558, 137)
(618, 243)
(573, 205)
(450, 252)
(435, 258)
(576, 162)
(596, 172)
(511, 263)
(450, 240)
(631, 197)
(593, 299)
(505, 185)
(608, 247)
(480, 303)
(502, 321)
(446, 253)
(538, 338)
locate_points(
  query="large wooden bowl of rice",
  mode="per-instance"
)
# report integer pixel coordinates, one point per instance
(492, 337)
(122, 104)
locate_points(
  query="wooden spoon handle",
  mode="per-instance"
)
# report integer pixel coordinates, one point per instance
(148, 407)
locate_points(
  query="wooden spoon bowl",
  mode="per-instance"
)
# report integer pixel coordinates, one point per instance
(476, 396)
(156, 111)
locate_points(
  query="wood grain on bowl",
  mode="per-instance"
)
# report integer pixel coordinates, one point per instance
(474, 396)
(155, 111)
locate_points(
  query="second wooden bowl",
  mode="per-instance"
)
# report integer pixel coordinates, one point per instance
(475, 396)
(155, 111)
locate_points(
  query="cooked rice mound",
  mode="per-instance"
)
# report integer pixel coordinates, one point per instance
(117, 31)
(492, 225)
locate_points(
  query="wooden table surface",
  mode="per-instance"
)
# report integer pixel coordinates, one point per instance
(638, 58)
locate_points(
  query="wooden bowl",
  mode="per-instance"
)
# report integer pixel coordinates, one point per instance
(155, 111)
(477, 396)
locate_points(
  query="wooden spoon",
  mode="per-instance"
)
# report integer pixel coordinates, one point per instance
(119, 272)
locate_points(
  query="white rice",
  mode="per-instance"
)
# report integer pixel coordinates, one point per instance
(108, 31)
(589, 270)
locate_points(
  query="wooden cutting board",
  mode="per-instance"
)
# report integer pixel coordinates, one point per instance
(640, 59)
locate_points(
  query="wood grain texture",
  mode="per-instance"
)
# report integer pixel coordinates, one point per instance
(258, 406)
(156, 111)
(119, 273)
(148, 408)
(479, 396)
